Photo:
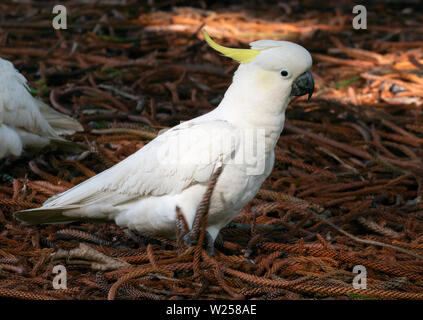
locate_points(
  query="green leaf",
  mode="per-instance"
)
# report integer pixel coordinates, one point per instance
(33, 91)
(215, 101)
(118, 39)
(358, 296)
(346, 82)
(100, 124)
(111, 71)
(6, 178)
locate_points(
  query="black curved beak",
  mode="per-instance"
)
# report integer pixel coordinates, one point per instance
(304, 84)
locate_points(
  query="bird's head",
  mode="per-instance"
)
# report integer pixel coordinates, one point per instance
(273, 66)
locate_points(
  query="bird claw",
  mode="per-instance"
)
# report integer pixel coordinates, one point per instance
(208, 242)
(188, 240)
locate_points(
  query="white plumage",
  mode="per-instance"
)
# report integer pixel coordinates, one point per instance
(174, 169)
(24, 120)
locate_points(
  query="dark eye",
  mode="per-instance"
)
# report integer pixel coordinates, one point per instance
(284, 73)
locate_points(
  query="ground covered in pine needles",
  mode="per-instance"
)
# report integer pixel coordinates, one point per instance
(347, 185)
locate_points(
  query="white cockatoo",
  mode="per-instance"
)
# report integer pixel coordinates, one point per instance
(26, 121)
(174, 170)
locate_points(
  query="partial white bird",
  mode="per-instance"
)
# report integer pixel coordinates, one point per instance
(24, 120)
(174, 169)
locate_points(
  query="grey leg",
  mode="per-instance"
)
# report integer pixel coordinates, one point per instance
(209, 243)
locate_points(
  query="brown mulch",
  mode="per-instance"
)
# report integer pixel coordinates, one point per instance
(347, 184)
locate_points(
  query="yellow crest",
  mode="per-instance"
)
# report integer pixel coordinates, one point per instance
(240, 55)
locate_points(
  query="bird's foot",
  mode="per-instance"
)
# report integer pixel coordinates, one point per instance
(188, 239)
(208, 243)
(134, 236)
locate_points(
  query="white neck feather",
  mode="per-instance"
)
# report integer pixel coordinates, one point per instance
(256, 99)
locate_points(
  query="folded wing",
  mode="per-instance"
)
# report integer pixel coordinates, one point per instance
(182, 156)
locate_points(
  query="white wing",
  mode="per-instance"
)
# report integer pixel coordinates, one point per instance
(182, 156)
(10, 142)
(17, 107)
(61, 123)
(20, 110)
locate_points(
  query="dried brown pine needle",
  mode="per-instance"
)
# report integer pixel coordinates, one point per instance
(346, 188)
